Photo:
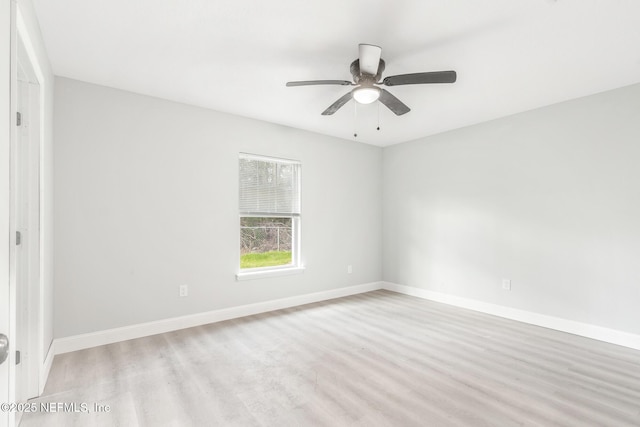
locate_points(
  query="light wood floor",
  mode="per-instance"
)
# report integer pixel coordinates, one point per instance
(378, 358)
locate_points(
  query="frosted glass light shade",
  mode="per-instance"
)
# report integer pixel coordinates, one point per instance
(366, 95)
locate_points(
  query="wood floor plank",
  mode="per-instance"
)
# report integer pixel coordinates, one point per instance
(374, 359)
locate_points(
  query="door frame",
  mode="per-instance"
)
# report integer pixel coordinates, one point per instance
(14, 27)
(42, 354)
(7, 224)
(33, 290)
(26, 30)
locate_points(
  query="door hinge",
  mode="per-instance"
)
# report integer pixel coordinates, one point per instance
(17, 357)
(18, 118)
(18, 238)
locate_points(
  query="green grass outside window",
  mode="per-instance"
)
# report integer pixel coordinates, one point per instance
(265, 259)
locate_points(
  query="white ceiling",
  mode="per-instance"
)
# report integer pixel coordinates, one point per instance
(235, 56)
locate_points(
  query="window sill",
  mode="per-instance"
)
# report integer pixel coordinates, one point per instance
(250, 275)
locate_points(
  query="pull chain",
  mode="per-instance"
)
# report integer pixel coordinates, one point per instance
(355, 119)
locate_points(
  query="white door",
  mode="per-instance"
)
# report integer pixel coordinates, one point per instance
(23, 234)
(27, 220)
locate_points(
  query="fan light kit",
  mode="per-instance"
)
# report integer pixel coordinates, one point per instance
(366, 95)
(367, 72)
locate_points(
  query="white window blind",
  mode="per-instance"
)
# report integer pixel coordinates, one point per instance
(269, 186)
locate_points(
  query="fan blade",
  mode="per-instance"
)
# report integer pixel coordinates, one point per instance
(393, 103)
(419, 78)
(320, 82)
(337, 105)
(369, 56)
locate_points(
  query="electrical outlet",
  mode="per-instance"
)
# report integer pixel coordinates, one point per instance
(184, 290)
(349, 269)
(506, 284)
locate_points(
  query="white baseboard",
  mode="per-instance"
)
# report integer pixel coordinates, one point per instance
(600, 333)
(94, 339)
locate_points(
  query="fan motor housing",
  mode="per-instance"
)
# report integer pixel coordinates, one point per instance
(365, 78)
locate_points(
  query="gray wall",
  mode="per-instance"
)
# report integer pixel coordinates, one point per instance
(147, 200)
(549, 199)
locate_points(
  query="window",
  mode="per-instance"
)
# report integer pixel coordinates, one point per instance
(269, 216)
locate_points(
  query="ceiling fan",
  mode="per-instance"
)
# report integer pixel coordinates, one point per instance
(367, 71)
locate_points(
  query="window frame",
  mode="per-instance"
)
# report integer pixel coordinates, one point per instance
(295, 266)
